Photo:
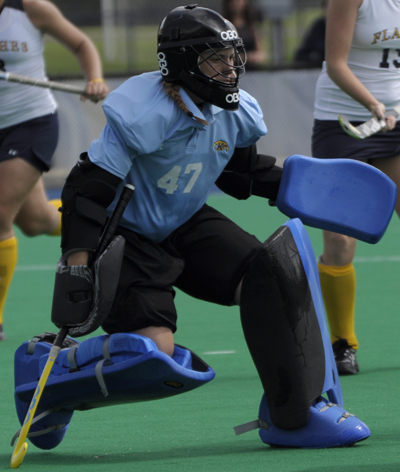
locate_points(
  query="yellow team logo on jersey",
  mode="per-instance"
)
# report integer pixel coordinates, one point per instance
(221, 146)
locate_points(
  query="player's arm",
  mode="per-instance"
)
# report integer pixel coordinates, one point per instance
(340, 22)
(341, 18)
(248, 173)
(88, 192)
(47, 18)
(84, 289)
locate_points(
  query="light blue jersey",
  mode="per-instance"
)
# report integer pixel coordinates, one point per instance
(172, 160)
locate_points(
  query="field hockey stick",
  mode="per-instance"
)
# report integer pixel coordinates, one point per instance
(105, 239)
(368, 128)
(22, 79)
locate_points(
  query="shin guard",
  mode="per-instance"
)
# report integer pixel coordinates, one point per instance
(284, 325)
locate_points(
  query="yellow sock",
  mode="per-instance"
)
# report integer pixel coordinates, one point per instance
(338, 286)
(57, 230)
(8, 260)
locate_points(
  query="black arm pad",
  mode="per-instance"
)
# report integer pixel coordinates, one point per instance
(266, 182)
(87, 193)
(266, 190)
(248, 173)
(265, 170)
(242, 159)
(234, 184)
(246, 160)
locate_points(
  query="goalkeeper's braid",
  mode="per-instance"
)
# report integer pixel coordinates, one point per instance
(172, 90)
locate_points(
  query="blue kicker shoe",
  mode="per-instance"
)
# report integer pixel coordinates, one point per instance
(329, 426)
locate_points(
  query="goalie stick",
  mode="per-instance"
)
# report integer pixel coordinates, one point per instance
(22, 79)
(106, 237)
(368, 128)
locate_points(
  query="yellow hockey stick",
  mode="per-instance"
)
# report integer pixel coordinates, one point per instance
(22, 446)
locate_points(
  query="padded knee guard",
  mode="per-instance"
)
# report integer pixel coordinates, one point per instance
(284, 325)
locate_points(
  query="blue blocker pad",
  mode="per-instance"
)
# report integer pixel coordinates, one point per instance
(339, 195)
(98, 372)
(329, 424)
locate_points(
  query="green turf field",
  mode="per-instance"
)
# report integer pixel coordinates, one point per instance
(194, 431)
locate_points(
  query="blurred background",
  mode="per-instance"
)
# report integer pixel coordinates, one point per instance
(287, 36)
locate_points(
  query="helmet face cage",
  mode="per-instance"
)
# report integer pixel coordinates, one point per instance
(222, 77)
(192, 46)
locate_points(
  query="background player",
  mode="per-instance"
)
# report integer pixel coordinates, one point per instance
(360, 78)
(29, 123)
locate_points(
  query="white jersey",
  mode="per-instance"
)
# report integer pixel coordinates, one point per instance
(21, 52)
(374, 58)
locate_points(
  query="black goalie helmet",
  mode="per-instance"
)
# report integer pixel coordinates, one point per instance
(201, 50)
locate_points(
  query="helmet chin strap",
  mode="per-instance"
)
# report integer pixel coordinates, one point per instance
(218, 96)
(195, 99)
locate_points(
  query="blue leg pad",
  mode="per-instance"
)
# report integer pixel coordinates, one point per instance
(332, 383)
(102, 371)
(329, 424)
(339, 195)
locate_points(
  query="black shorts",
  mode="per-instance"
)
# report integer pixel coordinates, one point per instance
(205, 258)
(329, 141)
(34, 141)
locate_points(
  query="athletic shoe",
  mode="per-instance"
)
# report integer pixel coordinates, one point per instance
(329, 426)
(2, 335)
(345, 357)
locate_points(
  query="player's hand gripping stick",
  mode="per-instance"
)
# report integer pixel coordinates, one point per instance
(368, 128)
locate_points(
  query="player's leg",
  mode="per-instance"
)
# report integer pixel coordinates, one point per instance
(288, 342)
(26, 150)
(144, 302)
(162, 336)
(289, 355)
(221, 260)
(391, 167)
(338, 283)
(17, 178)
(37, 215)
(284, 325)
(37, 140)
(338, 286)
(335, 267)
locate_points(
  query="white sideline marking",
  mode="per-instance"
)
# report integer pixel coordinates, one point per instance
(213, 353)
(372, 259)
(378, 259)
(35, 268)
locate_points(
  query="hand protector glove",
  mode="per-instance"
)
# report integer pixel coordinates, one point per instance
(83, 296)
(262, 180)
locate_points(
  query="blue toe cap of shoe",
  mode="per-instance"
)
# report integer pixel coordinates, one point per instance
(329, 426)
